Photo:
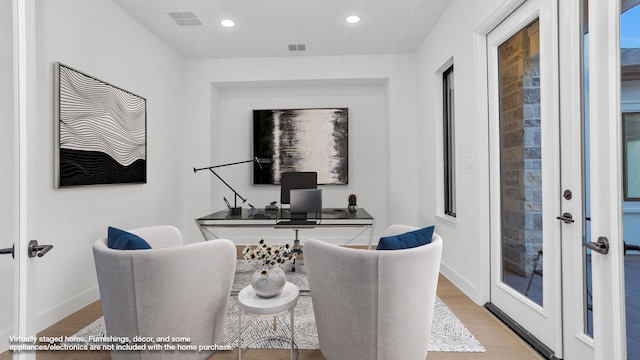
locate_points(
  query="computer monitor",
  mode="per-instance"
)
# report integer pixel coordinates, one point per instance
(306, 203)
(296, 180)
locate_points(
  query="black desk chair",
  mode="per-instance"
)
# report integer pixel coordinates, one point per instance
(295, 180)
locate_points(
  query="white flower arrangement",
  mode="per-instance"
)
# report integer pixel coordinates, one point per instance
(265, 255)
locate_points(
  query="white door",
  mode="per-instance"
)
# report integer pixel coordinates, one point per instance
(525, 192)
(16, 95)
(600, 157)
(577, 289)
(8, 180)
(612, 116)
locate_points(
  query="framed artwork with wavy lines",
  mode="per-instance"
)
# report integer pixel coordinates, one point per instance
(101, 131)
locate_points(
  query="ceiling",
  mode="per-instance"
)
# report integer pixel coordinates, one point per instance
(265, 28)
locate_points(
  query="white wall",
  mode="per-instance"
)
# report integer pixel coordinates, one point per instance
(466, 238)
(98, 38)
(379, 92)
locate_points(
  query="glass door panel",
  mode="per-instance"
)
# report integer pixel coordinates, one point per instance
(586, 221)
(521, 162)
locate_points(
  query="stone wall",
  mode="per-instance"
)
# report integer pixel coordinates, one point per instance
(521, 172)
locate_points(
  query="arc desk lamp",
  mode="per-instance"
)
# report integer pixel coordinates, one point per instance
(235, 210)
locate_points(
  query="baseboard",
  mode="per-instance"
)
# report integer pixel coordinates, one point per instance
(461, 283)
(52, 315)
(522, 332)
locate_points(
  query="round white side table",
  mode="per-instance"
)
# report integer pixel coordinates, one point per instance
(254, 305)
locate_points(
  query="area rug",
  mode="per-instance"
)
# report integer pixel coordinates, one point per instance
(448, 334)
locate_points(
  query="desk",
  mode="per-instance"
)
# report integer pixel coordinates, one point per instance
(331, 217)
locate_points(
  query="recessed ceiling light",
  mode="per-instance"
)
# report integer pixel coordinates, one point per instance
(227, 23)
(353, 19)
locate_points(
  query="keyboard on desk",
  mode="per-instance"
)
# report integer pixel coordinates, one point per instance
(287, 223)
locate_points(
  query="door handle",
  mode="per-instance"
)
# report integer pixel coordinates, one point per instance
(33, 251)
(8, 251)
(567, 218)
(38, 250)
(601, 246)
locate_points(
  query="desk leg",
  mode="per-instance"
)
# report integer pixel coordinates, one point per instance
(371, 228)
(239, 334)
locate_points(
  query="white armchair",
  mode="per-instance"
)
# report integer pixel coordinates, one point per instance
(373, 305)
(169, 290)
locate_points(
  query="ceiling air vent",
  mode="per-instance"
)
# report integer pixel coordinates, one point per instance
(184, 18)
(297, 47)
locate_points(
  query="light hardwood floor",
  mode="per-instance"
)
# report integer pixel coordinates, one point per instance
(499, 341)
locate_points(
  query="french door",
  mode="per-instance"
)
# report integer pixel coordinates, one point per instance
(565, 180)
(17, 309)
(600, 93)
(8, 182)
(611, 90)
(525, 170)
(578, 295)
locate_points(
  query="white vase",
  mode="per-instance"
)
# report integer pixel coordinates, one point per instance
(268, 282)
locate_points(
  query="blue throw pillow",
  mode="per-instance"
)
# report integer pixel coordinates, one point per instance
(123, 240)
(407, 240)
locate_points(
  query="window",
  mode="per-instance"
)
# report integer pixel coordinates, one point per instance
(631, 152)
(448, 134)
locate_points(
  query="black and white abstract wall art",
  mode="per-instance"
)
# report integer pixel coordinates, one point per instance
(102, 135)
(302, 140)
